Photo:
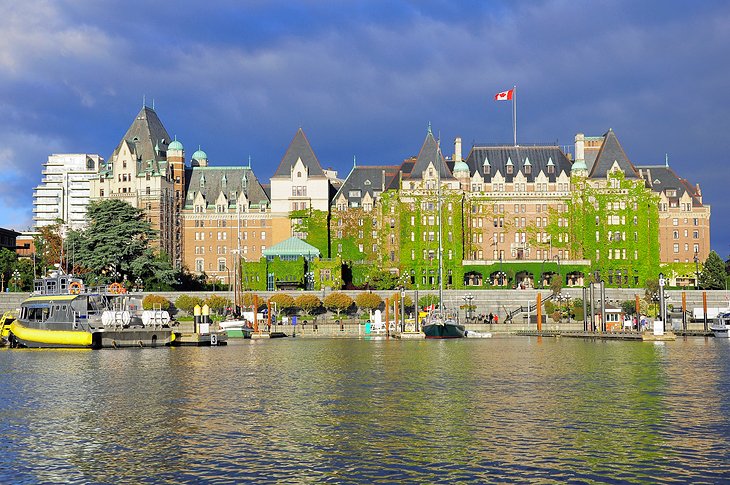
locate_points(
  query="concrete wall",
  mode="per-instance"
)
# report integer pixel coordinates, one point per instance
(495, 301)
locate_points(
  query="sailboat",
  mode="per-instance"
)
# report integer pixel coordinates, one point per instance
(440, 323)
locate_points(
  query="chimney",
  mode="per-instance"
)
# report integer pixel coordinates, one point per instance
(457, 149)
(580, 148)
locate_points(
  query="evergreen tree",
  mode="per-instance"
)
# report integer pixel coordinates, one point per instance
(713, 273)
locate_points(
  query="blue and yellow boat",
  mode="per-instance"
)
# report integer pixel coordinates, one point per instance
(62, 312)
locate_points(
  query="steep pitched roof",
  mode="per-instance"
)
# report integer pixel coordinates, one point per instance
(371, 180)
(661, 178)
(146, 136)
(299, 148)
(212, 181)
(499, 157)
(611, 152)
(430, 154)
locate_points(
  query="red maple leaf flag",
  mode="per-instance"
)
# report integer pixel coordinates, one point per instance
(504, 95)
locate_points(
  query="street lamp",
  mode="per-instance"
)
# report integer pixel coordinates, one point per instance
(697, 270)
(16, 279)
(402, 308)
(138, 283)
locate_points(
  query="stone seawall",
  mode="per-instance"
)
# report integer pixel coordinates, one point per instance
(485, 301)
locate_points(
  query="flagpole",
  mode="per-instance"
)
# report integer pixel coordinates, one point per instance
(514, 113)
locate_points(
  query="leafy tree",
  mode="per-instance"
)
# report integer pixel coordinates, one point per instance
(713, 273)
(153, 302)
(218, 304)
(248, 299)
(651, 290)
(117, 235)
(368, 301)
(8, 260)
(187, 303)
(48, 246)
(428, 300)
(284, 302)
(382, 280)
(337, 302)
(308, 303)
(628, 307)
(556, 285)
(155, 270)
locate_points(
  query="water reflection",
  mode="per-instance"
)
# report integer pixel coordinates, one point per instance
(384, 411)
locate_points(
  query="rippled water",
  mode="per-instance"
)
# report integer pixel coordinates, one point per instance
(356, 411)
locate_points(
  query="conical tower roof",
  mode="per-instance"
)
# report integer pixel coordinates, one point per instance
(147, 137)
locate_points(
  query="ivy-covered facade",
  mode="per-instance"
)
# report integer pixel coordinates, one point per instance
(515, 217)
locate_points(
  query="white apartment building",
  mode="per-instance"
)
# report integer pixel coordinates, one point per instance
(65, 189)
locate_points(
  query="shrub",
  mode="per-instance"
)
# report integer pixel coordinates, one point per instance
(284, 302)
(218, 304)
(154, 302)
(337, 302)
(308, 303)
(368, 301)
(187, 303)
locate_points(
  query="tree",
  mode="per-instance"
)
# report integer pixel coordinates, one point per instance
(154, 302)
(713, 273)
(284, 302)
(218, 304)
(368, 301)
(8, 260)
(117, 235)
(428, 300)
(628, 307)
(651, 290)
(337, 302)
(556, 285)
(48, 246)
(187, 303)
(155, 270)
(308, 303)
(248, 299)
(382, 280)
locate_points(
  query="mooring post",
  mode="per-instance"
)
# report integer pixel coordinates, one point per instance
(539, 312)
(684, 311)
(704, 308)
(387, 319)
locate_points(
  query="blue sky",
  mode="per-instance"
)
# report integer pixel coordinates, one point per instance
(364, 78)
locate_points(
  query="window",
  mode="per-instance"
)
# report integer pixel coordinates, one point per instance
(676, 247)
(675, 222)
(221, 265)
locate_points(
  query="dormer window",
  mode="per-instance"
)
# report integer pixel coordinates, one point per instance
(510, 169)
(551, 169)
(299, 174)
(528, 169)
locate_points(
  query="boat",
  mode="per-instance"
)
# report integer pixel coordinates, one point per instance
(63, 312)
(440, 323)
(236, 328)
(722, 327)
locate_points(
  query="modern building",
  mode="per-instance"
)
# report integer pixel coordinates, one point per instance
(65, 190)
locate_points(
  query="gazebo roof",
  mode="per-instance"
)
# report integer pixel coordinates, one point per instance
(292, 247)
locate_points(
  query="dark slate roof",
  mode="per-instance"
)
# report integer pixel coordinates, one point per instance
(368, 180)
(299, 148)
(226, 180)
(498, 157)
(610, 152)
(430, 153)
(661, 178)
(146, 133)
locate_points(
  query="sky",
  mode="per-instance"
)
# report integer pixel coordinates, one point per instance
(364, 79)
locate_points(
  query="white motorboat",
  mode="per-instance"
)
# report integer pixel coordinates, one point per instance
(721, 328)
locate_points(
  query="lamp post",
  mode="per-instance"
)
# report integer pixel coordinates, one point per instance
(138, 283)
(402, 308)
(697, 270)
(661, 298)
(16, 279)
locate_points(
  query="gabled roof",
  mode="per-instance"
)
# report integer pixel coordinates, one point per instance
(499, 157)
(147, 137)
(212, 181)
(299, 148)
(661, 178)
(612, 153)
(292, 247)
(366, 180)
(430, 154)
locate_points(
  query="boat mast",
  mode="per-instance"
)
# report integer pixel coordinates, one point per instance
(438, 208)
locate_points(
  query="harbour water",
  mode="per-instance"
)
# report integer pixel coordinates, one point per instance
(370, 411)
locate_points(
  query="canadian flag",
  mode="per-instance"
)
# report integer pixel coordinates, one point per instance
(504, 95)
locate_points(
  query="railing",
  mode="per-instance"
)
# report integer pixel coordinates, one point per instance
(529, 309)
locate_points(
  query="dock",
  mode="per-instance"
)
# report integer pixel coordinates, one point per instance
(185, 336)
